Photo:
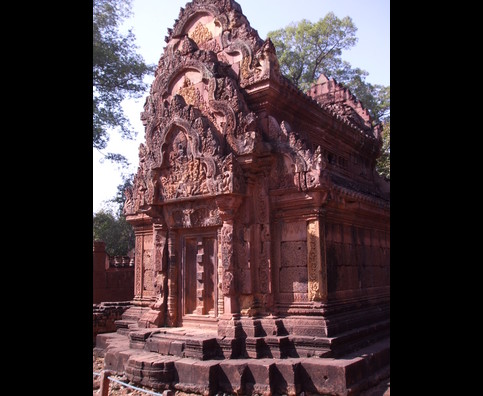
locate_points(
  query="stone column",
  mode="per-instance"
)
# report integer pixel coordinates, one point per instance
(138, 267)
(316, 259)
(160, 272)
(226, 267)
(172, 319)
(230, 305)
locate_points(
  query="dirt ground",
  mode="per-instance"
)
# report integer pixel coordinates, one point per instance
(115, 389)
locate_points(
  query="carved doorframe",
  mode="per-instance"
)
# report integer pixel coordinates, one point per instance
(193, 304)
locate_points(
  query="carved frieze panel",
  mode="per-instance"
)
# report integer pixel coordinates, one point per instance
(201, 217)
(192, 214)
(187, 173)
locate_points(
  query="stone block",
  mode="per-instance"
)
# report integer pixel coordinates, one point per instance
(230, 328)
(115, 359)
(278, 346)
(256, 348)
(323, 376)
(151, 345)
(151, 370)
(231, 376)
(294, 231)
(294, 254)
(293, 279)
(197, 376)
(259, 376)
(176, 348)
(285, 377)
(230, 348)
(201, 348)
(164, 346)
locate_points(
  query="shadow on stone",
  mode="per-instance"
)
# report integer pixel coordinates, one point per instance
(248, 382)
(307, 385)
(279, 383)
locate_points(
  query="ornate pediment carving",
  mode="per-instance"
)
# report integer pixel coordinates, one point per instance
(339, 100)
(296, 164)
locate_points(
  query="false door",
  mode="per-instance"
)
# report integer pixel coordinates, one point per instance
(199, 277)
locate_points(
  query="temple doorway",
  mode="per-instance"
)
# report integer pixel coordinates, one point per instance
(198, 279)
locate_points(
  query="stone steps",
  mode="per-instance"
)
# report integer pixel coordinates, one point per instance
(214, 347)
(204, 345)
(268, 376)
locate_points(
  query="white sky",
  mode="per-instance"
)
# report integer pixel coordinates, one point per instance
(152, 18)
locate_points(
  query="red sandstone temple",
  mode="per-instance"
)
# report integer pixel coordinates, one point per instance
(262, 227)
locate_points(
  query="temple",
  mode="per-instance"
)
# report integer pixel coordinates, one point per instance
(262, 227)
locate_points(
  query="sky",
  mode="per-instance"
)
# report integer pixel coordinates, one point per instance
(152, 18)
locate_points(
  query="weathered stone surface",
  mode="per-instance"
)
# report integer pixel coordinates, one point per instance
(233, 179)
(113, 277)
(259, 378)
(105, 315)
(151, 370)
(197, 376)
(351, 374)
(259, 217)
(286, 377)
(232, 378)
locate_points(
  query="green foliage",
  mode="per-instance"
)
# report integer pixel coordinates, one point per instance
(115, 232)
(374, 97)
(118, 73)
(305, 50)
(383, 165)
(120, 198)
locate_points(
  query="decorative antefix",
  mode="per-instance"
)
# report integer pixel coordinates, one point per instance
(256, 207)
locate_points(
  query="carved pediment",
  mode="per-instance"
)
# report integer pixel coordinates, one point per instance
(296, 166)
(339, 100)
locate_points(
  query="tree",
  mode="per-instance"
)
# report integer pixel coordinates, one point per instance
(375, 98)
(383, 165)
(115, 232)
(120, 198)
(112, 228)
(305, 50)
(118, 73)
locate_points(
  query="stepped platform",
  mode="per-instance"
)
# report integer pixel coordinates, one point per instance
(201, 362)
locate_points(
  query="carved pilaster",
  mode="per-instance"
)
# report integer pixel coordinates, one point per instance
(226, 268)
(138, 267)
(172, 318)
(221, 301)
(316, 260)
(160, 270)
